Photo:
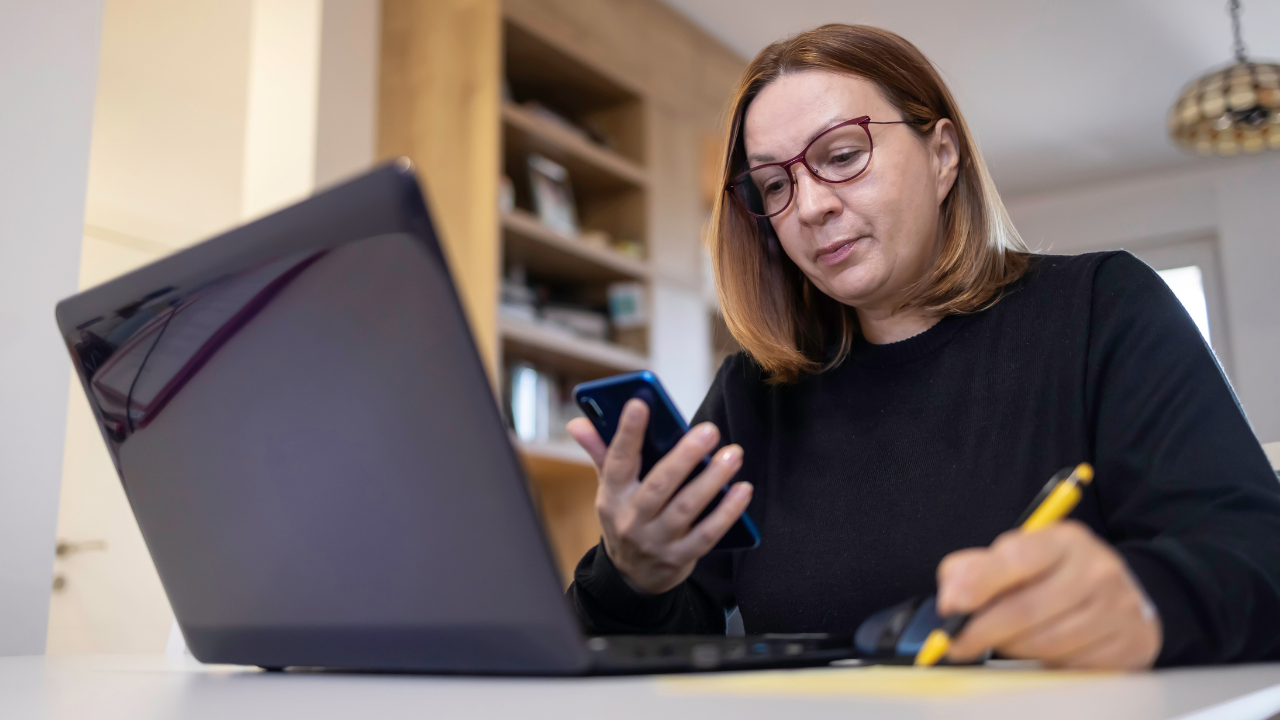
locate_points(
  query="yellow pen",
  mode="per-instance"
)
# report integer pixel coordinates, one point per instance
(1054, 503)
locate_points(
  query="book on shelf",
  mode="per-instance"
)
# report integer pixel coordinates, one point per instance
(580, 321)
(538, 405)
(552, 194)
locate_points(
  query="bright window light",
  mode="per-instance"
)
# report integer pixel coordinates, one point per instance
(1188, 285)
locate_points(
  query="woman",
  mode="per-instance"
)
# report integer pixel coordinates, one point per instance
(911, 377)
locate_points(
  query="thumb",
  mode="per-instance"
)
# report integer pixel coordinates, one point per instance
(581, 430)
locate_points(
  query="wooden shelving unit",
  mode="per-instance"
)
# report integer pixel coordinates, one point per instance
(554, 453)
(596, 167)
(620, 95)
(546, 252)
(554, 347)
(598, 139)
(564, 486)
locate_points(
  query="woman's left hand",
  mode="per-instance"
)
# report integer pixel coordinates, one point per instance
(1060, 595)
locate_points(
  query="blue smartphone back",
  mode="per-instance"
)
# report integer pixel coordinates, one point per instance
(602, 400)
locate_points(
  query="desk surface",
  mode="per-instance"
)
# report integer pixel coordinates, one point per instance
(145, 687)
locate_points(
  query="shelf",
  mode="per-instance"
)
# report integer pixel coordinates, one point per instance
(563, 351)
(589, 165)
(551, 254)
(555, 461)
(559, 451)
(536, 68)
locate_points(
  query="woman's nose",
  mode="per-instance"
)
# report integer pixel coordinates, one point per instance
(815, 200)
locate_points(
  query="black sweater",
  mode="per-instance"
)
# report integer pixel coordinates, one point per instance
(868, 474)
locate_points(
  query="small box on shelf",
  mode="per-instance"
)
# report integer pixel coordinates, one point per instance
(628, 304)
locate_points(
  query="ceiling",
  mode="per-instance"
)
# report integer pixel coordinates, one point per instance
(1060, 93)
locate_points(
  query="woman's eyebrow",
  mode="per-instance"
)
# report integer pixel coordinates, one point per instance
(830, 123)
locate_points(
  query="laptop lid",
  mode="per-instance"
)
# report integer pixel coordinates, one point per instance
(309, 442)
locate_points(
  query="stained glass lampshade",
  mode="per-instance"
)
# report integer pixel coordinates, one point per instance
(1229, 111)
(1232, 110)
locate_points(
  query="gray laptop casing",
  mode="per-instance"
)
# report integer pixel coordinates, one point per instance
(309, 442)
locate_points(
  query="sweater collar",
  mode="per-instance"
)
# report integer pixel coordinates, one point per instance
(911, 349)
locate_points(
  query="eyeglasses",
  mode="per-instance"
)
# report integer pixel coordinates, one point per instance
(838, 155)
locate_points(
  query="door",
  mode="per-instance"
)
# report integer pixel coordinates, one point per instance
(106, 596)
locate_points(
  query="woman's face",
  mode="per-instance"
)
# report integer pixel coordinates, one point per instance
(862, 242)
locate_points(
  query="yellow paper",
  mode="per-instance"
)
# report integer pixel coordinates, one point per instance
(876, 681)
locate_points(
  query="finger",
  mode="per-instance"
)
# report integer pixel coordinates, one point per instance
(951, 573)
(1060, 636)
(581, 430)
(707, 533)
(969, 579)
(693, 498)
(1038, 601)
(621, 465)
(668, 473)
(1109, 652)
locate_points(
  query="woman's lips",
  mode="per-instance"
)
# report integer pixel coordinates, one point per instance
(832, 257)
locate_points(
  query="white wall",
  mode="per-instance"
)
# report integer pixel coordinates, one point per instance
(280, 124)
(208, 112)
(680, 346)
(1234, 200)
(347, 115)
(48, 68)
(167, 168)
(169, 122)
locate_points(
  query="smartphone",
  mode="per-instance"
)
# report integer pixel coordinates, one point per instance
(602, 400)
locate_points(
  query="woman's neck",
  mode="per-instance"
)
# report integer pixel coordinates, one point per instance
(881, 327)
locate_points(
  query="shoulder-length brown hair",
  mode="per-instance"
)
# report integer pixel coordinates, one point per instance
(783, 321)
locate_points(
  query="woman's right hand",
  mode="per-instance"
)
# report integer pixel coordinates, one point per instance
(648, 523)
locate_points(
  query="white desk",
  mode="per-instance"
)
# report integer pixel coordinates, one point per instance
(147, 687)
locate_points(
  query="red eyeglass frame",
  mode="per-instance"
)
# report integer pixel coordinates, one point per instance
(863, 121)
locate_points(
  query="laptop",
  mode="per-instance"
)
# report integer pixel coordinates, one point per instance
(309, 442)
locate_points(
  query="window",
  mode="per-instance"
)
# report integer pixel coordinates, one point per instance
(1188, 284)
(1190, 267)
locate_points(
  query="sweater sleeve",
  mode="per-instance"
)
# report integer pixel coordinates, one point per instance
(606, 605)
(1186, 492)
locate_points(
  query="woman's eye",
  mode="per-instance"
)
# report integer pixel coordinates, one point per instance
(774, 186)
(845, 157)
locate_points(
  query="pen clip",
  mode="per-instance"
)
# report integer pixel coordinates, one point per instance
(1049, 487)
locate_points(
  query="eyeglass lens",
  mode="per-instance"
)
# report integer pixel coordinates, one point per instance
(837, 156)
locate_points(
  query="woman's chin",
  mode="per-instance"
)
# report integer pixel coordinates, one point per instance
(854, 285)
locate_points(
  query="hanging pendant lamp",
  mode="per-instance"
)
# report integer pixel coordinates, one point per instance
(1232, 110)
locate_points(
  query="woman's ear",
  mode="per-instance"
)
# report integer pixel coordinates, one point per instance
(946, 151)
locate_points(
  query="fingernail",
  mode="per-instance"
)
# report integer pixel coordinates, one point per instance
(740, 490)
(730, 455)
(707, 431)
